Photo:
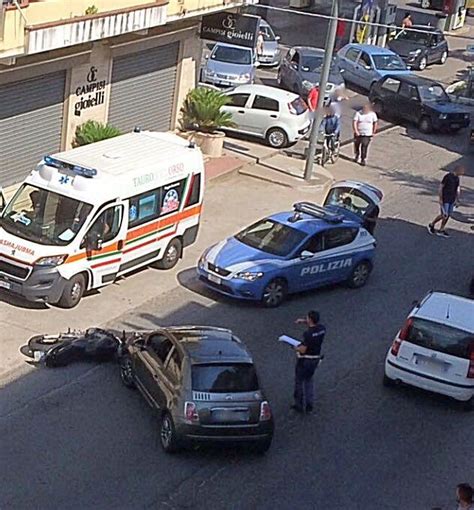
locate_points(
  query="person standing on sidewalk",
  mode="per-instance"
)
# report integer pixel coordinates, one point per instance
(448, 196)
(364, 126)
(308, 356)
(340, 33)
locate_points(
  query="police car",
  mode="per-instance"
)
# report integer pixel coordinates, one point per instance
(293, 251)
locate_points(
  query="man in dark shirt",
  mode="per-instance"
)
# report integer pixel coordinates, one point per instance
(369, 219)
(308, 356)
(448, 195)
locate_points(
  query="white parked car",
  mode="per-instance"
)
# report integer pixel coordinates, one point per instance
(434, 350)
(279, 116)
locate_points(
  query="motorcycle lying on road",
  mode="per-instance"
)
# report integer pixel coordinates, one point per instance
(93, 344)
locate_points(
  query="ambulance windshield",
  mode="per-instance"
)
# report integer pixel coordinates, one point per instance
(44, 217)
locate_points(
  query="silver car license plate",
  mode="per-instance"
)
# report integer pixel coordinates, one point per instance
(214, 279)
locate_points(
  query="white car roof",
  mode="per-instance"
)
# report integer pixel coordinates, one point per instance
(226, 45)
(265, 90)
(455, 311)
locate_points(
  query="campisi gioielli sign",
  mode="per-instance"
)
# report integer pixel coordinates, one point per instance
(231, 28)
(90, 93)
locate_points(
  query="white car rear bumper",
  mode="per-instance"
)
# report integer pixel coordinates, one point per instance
(458, 391)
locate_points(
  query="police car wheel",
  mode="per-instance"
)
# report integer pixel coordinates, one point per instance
(73, 292)
(274, 293)
(359, 276)
(171, 255)
(277, 138)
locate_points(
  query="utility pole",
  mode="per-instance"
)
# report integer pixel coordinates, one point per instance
(328, 52)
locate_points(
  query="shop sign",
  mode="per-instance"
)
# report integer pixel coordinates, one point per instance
(89, 93)
(231, 28)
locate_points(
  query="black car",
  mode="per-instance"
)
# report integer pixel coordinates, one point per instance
(418, 49)
(203, 384)
(420, 101)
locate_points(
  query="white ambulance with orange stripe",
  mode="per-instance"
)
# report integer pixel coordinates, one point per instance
(86, 216)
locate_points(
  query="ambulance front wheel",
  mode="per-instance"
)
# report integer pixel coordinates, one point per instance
(73, 291)
(171, 256)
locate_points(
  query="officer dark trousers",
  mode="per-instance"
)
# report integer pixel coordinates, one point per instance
(304, 386)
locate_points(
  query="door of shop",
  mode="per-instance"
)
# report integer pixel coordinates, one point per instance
(31, 118)
(143, 89)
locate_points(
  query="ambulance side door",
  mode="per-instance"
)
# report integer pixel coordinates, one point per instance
(103, 242)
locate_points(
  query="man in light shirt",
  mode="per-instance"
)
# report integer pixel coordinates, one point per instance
(365, 127)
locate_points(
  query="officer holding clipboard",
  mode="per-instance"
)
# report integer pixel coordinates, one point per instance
(308, 355)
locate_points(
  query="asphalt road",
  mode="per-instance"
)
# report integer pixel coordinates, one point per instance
(75, 438)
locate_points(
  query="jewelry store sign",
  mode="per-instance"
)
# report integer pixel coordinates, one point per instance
(90, 93)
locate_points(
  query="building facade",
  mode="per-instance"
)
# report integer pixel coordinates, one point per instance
(63, 62)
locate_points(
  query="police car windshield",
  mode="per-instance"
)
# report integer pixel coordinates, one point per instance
(44, 217)
(272, 237)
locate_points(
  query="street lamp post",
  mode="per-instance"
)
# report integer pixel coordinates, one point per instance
(328, 52)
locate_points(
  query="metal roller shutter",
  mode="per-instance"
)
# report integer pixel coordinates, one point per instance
(31, 118)
(143, 87)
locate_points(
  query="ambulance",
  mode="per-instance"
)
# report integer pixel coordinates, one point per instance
(89, 215)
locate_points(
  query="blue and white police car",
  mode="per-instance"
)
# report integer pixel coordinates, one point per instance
(293, 251)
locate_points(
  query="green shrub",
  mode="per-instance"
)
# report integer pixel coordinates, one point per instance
(201, 111)
(91, 10)
(93, 131)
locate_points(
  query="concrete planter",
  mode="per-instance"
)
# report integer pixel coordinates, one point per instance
(211, 144)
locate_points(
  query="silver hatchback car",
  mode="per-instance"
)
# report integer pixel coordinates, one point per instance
(229, 65)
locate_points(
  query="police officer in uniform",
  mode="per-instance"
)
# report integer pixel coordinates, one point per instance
(308, 356)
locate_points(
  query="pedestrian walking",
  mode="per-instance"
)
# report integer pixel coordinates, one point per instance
(448, 195)
(308, 355)
(313, 96)
(464, 496)
(406, 21)
(259, 45)
(364, 126)
(336, 99)
(340, 33)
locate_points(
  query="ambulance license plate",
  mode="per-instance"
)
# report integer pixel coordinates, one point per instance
(5, 285)
(214, 279)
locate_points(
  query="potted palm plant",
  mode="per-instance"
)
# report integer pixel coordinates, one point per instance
(201, 118)
(93, 131)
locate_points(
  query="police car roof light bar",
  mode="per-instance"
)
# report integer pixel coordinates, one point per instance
(78, 170)
(317, 211)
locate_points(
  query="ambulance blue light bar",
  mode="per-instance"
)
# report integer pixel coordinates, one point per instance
(78, 170)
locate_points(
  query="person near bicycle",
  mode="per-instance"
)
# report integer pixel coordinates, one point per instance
(331, 126)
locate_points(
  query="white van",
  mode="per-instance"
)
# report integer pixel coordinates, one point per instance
(435, 348)
(88, 215)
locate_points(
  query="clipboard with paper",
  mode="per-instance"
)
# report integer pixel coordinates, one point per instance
(289, 340)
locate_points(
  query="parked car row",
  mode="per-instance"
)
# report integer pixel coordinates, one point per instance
(386, 73)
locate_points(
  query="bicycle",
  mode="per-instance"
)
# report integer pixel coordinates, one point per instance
(331, 147)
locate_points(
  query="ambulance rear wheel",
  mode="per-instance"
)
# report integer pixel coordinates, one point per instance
(73, 292)
(360, 275)
(274, 293)
(171, 256)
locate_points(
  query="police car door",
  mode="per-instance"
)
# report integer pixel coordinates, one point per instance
(327, 257)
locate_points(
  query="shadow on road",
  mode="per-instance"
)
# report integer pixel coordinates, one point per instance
(75, 437)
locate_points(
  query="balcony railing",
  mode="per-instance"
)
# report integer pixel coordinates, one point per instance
(50, 36)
